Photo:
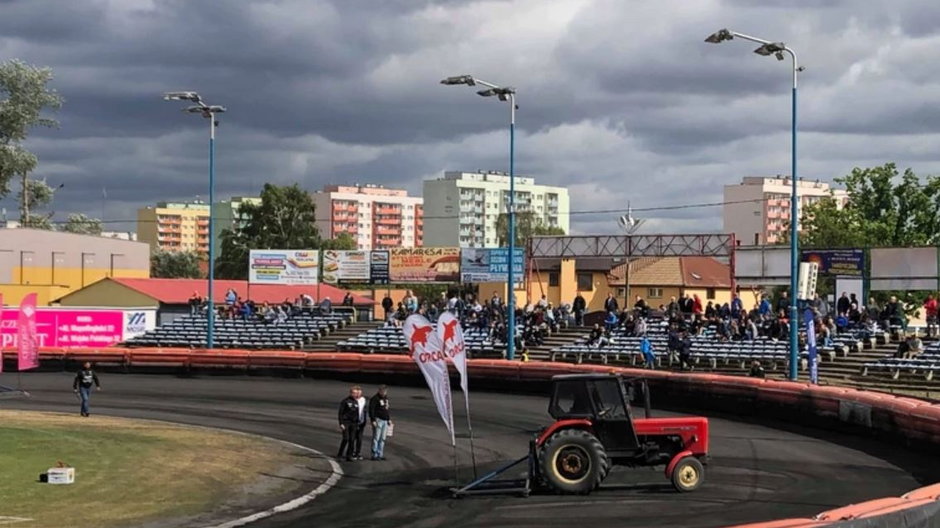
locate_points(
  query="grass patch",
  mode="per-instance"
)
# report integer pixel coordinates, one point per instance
(131, 472)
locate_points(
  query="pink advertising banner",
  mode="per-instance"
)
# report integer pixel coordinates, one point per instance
(66, 328)
(26, 342)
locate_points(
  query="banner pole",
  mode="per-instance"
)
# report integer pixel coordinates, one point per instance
(473, 456)
(456, 473)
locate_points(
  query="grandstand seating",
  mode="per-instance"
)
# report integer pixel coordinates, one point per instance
(927, 363)
(390, 339)
(297, 331)
(707, 347)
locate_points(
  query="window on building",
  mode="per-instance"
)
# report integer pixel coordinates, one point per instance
(553, 278)
(585, 281)
(710, 294)
(654, 293)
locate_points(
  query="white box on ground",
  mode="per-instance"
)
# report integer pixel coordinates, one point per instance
(61, 475)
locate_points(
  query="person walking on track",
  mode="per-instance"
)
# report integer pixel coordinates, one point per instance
(349, 413)
(381, 419)
(84, 379)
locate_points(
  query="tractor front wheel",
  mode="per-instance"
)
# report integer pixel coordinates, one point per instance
(573, 461)
(688, 474)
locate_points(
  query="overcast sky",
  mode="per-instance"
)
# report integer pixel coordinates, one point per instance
(619, 99)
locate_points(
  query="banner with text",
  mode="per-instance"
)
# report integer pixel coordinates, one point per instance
(427, 352)
(425, 264)
(345, 266)
(66, 328)
(837, 262)
(283, 266)
(490, 265)
(378, 266)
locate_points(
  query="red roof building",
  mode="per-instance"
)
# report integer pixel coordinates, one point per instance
(146, 292)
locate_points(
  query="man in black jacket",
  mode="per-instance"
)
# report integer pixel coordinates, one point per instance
(611, 305)
(381, 418)
(578, 308)
(351, 414)
(387, 305)
(84, 379)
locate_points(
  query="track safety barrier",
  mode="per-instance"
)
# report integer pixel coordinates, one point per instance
(909, 418)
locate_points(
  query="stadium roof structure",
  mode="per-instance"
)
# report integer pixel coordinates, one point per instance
(178, 291)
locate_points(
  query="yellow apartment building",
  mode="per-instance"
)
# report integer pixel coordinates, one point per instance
(175, 226)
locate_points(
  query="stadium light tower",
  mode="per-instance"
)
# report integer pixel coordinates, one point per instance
(209, 112)
(506, 94)
(630, 224)
(777, 49)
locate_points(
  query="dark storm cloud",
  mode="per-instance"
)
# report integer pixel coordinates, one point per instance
(621, 101)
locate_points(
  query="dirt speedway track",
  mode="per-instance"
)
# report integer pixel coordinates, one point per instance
(757, 472)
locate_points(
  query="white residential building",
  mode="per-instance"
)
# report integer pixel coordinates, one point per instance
(462, 207)
(757, 210)
(376, 217)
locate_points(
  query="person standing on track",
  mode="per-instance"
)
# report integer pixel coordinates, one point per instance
(361, 425)
(381, 419)
(349, 413)
(84, 379)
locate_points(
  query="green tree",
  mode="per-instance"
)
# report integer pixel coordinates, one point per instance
(340, 242)
(36, 194)
(884, 208)
(527, 226)
(175, 265)
(24, 96)
(81, 224)
(283, 220)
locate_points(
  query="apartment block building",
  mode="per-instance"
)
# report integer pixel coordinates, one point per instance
(376, 217)
(463, 207)
(175, 226)
(226, 215)
(757, 210)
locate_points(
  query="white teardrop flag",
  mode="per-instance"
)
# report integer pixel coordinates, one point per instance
(451, 336)
(427, 351)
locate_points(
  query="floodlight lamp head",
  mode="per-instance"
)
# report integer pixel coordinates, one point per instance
(489, 92)
(181, 96)
(459, 79)
(215, 109)
(720, 36)
(771, 48)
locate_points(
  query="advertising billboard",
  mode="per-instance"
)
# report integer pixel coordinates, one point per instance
(490, 265)
(424, 264)
(378, 266)
(345, 266)
(283, 266)
(837, 262)
(65, 328)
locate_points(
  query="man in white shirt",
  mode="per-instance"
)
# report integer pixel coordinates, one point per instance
(363, 418)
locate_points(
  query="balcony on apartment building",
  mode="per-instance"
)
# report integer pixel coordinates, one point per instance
(387, 230)
(387, 241)
(386, 220)
(385, 209)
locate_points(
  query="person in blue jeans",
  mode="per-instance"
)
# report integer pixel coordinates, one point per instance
(381, 418)
(84, 380)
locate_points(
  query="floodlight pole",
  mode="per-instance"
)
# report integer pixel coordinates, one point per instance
(511, 285)
(505, 94)
(768, 47)
(209, 112)
(210, 322)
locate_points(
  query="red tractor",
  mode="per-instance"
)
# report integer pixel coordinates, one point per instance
(595, 430)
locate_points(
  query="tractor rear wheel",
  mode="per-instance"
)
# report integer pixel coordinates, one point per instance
(688, 474)
(573, 461)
